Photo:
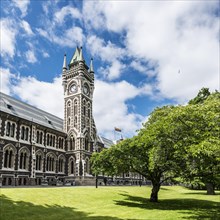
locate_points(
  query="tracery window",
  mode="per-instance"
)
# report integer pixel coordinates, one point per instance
(8, 157)
(50, 163)
(24, 159)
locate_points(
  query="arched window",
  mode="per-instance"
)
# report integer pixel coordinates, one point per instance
(72, 143)
(86, 144)
(53, 141)
(41, 137)
(84, 108)
(38, 137)
(75, 107)
(39, 160)
(71, 166)
(26, 134)
(48, 139)
(8, 129)
(61, 164)
(8, 157)
(50, 163)
(13, 130)
(24, 159)
(22, 133)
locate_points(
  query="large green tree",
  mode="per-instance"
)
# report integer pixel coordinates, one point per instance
(175, 141)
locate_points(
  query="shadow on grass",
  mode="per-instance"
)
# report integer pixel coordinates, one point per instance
(197, 209)
(10, 210)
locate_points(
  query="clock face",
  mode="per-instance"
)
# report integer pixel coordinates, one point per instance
(73, 88)
(86, 89)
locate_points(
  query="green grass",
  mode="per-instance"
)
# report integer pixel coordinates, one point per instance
(106, 203)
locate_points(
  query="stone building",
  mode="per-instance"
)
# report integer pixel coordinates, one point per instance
(38, 148)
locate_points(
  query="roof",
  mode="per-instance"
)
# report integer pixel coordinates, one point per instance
(77, 56)
(107, 143)
(20, 109)
(28, 112)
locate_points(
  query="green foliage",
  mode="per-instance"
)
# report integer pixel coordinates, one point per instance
(201, 97)
(175, 141)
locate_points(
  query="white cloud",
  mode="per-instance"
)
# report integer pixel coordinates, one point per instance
(44, 95)
(22, 5)
(65, 12)
(109, 53)
(30, 56)
(110, 109)
(54, 28)
(25, 25)
(108, 113)
(5, 80)
(8, 37)
(178, 35)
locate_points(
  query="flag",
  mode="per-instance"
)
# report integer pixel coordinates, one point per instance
(117, 129)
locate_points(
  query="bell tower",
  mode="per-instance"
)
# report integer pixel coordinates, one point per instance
(78, 84)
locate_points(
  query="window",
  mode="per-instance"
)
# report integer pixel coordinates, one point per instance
(84, 107)
(61, 164)
(86, 145)
(50, 163)
(72, 143)
(24, 159)
(75, 107)
(71, 166)
(24, 133)
(8, 157)
(10, 129)
(39, 159)
(60, 143)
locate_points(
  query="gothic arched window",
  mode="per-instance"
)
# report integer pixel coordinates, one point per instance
(39, 160)
(50, 163)
(86, 144)
(71, 166)
(8, 129)
(24, 159)
(8, 157)
(75, 107)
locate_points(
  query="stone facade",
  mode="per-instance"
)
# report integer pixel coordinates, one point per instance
(38, 148)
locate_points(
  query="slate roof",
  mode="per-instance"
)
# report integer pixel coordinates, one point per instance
(107, 143)
(20, 109)
(28, 112)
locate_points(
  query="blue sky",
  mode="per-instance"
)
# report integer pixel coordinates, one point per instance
(146, 54)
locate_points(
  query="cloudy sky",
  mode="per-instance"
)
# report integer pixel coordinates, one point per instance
(146, 54)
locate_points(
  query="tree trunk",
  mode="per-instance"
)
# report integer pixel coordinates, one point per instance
(154, 192)
(210, 189)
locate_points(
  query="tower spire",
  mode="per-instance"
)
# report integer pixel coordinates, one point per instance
(91, 69)
(64, 63)
(81, 55)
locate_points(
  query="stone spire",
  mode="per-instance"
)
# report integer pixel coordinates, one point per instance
(81, 55)
(64, 63)
(91, 69)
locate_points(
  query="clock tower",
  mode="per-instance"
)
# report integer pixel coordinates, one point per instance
(78, 84)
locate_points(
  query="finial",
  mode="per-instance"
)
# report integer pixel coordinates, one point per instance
(91, 69)
(81, 55)
(64, 63)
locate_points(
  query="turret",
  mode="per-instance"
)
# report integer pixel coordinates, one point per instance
(64, 63)
(91, 69)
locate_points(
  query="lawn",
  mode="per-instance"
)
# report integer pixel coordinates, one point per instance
(106, 203)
